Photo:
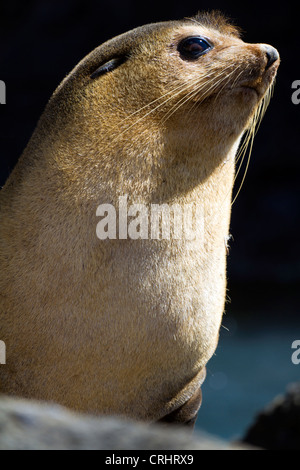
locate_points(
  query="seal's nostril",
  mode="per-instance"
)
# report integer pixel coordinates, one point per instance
(272, 55)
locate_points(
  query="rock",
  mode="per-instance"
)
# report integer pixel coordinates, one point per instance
(278, 426)
(29, 425)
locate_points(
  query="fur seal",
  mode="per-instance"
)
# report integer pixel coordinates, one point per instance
(126, 325)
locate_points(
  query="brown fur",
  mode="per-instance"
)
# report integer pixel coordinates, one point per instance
(217, 20)
(124, 326)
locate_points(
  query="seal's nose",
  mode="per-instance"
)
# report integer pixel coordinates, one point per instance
(271, 54)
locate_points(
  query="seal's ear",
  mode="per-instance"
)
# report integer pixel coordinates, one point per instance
(108, 66)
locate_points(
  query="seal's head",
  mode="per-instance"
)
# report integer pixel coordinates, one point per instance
(127, 325)
(193, 83)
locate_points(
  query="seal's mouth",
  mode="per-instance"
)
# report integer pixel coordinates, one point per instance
(249, 87)
(246, 90)
(260, 84)
(253, 88)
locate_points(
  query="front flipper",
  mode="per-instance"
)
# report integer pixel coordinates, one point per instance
(187, 413)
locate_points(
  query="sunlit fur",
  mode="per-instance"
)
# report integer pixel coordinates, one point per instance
(127, 326)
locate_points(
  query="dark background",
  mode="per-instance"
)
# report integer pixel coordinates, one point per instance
(42, 40)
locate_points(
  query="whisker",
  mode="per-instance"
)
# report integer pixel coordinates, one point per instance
(151, 111)
(181, 87)
(228, 77)
(250, 139)
(170, 92)
(247, 144)
(190, 95)
(194, 88)
(220, 77)
(181, 102)
(238, 76)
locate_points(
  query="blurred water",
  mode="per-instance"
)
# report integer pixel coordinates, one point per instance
(252, 365)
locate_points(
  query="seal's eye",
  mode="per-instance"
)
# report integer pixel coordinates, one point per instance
(193, 47)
